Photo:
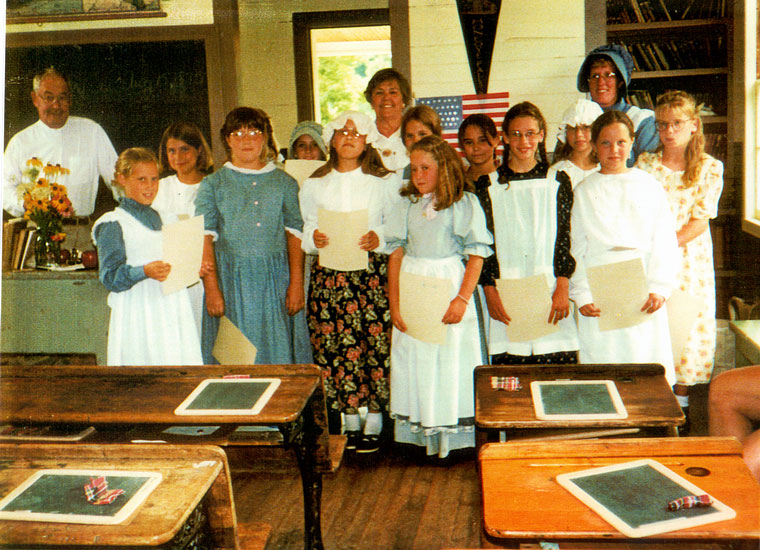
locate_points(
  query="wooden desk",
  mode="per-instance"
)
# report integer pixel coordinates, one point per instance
(522, 500)
(140, 396)
(645, 393)
(160, 518)
(747, 335)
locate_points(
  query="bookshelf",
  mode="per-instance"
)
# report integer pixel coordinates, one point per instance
(687, 45)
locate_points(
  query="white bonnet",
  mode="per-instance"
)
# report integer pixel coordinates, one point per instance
(364, 125)
(582, 111)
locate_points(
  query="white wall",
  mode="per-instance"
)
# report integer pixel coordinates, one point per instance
(539, 48)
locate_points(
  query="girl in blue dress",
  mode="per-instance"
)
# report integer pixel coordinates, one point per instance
(430, 234)
(253, 237)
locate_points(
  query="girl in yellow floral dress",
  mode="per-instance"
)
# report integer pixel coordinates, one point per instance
(693, 181)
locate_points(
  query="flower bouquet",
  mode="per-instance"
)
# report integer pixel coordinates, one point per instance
(46, 204)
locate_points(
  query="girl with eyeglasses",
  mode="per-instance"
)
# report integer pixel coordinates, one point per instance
(348, 313)
(573, 153)
(693, 181)
(253, 238)
(622, 214)
(529, 216)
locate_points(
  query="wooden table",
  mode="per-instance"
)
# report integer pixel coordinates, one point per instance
(522, 500)
(747, 335)
(643, 389)
(147, 396)
(183, 486)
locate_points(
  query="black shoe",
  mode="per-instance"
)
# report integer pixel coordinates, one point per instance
(368, 444)
(354, 437)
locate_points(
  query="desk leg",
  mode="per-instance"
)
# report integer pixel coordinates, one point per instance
(302, 438)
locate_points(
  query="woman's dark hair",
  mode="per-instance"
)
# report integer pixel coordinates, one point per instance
(190, 134)
(484, 122)
(250, 117)
(526, 109)
(384, 75)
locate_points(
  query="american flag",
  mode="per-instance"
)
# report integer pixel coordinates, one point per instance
(454, 109)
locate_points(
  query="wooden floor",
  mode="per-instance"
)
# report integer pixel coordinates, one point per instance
(389, 500)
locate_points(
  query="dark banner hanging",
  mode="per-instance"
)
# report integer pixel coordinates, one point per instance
(479, 19)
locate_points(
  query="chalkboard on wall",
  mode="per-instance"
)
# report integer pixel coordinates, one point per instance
(133, 89)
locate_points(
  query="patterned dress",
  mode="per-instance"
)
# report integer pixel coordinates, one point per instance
(347, 311)
(697, 277)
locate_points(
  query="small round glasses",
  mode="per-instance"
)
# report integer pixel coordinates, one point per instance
(663, 125)
(251, 133)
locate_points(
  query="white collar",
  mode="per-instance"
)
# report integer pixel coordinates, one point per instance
(270, 166)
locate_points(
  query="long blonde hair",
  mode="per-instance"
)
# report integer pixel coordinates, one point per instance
(695, 149)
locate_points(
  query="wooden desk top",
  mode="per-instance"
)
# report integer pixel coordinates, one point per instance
(183, 486)
(522, 499)
(645, 393)
(140, 395)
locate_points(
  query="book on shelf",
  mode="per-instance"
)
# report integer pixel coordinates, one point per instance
(11, 230)
(622, 12)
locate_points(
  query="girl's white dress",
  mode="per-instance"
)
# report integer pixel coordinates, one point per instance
(432, 395)
(179, 198)
(617, 217)
(146, 326)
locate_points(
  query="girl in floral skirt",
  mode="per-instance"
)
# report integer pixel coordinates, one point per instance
(348, 314)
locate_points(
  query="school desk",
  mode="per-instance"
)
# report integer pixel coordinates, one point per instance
(124, 397)
(747, 334)
(645, 393)
(522, 501)
(171, 515)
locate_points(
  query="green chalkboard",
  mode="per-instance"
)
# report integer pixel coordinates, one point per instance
(634, 497)
(59, 496)
(570, 399)
(133, 89)
(229, 396)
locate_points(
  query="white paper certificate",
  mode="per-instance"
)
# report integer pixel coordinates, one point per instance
(423, 301)
(344, 229)
(301, 169)
(183, 250)
(528, 302)
(620, 291)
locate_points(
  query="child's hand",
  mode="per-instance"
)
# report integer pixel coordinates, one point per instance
(495, 306)
(320, 239)
(214, 302)
(396, 319)
(294, 298)
(560, 302)
(456, 310)
(157, 270)
(654, 303)
(590, 310)
(369, 241)
(206, 268)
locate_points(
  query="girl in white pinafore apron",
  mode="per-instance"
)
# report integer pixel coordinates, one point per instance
(529, 214)
(146, 326)
(432, 395)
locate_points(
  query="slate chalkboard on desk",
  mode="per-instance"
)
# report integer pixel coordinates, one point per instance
(134, 90)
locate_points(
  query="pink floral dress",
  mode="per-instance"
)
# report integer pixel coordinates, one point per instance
(697, 277)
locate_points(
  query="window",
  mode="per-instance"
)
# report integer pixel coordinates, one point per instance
(751, 221)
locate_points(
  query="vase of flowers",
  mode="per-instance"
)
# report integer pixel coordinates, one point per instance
(46, 203)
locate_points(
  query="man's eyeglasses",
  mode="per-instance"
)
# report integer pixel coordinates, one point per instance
(50, 98)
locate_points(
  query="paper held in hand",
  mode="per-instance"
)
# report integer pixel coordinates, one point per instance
(183, 250)
(344, 229)
(232, 347)
(423, 302)
(528, 302)
(620, 291)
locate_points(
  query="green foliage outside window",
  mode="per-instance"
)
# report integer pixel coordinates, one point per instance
(342, 80)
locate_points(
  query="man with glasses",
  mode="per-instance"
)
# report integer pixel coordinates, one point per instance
(605, 75)
(76, 143)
